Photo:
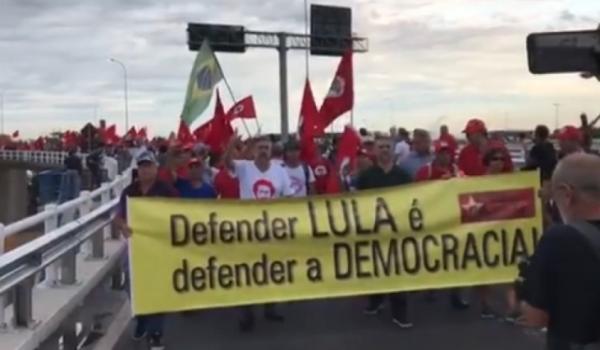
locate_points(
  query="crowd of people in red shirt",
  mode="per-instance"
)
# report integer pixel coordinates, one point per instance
(259, 168)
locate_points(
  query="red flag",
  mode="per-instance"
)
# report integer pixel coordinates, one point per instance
(220, 131)
(70, 139)
(340, 98)
(497, 205)
(38, 145)
(201, 133)
(131, 134)
(308, 126)
(348, 147)
(242, 109)
(110, 135)
(184, 135)
(143, 134)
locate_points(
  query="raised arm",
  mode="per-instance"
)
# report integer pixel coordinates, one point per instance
(228, 155)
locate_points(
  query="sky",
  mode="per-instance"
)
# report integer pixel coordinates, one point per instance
(429, 62)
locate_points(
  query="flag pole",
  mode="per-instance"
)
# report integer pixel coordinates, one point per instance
(307, 38)
(231, 94)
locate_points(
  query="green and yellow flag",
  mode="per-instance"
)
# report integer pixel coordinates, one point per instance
(206, 73)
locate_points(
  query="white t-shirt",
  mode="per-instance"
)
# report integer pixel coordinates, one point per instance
(401, 151)
(255, 184)
(112, 167)
(298, 180)
(134, 152)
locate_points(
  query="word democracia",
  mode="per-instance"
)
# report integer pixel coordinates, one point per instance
(355, 249)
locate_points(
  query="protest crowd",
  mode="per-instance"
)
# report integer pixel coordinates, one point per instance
(193, 165)
(264, 167)
(214, 162)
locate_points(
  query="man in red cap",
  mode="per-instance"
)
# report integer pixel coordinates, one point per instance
(194, 187)
(470, 159)
(570, 141)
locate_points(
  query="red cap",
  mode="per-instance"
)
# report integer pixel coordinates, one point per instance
(441, 145)
(475, 126)
(570, 133)
(194, 161)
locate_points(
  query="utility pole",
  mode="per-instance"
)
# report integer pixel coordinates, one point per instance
(125, 92)
(2, 112)
(283, 85)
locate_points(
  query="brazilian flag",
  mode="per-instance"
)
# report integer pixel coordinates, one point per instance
(206, 73)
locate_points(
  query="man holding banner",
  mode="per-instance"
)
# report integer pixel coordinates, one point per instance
(146, 185)
(386, 174)
(259, 179)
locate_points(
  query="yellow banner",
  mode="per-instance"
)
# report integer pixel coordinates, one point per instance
(202, 254)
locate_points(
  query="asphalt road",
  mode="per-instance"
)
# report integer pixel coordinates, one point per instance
(340, 324)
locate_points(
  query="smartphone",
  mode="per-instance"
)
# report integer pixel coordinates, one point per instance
(564, 52)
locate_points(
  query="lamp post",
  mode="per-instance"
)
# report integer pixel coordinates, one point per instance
(124, 90)
(2, 112)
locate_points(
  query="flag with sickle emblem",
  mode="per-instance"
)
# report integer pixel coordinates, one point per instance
(243, 109)
(340, 98)
(206, 73)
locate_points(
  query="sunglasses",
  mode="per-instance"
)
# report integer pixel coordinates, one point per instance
(497, 159)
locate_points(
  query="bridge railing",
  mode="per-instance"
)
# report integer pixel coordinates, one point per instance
(75, 229)
(40, 157)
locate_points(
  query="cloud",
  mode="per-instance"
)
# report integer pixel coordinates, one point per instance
(427, 59)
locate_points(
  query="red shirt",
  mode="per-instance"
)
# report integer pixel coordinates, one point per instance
(182, 172)
(470, 160)
(226, 185)
(431, 172)
(321, 168)
(166, 175)
(450, 140)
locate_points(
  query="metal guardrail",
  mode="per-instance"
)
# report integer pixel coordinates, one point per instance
(81, 224)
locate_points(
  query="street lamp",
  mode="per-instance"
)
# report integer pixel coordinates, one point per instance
(2, 112)
(125, 90)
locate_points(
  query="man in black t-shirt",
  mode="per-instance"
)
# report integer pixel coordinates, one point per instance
(386, 174)
(73, 162)
(562, 287)
(146, 185)
(542, 155)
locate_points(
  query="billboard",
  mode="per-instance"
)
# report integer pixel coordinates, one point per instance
(331, 30)
(222, 38)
